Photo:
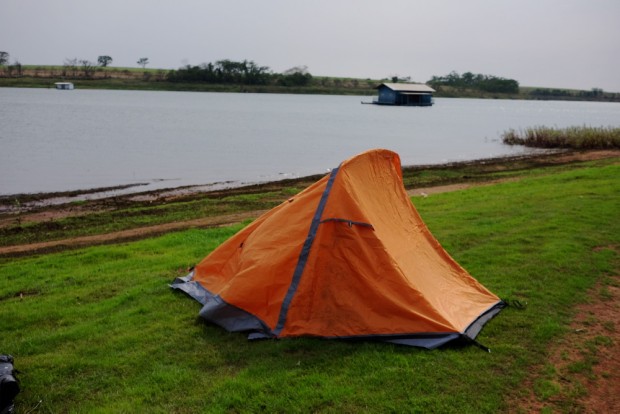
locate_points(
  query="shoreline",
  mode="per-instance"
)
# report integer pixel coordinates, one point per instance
(22, 203)
(10, 202)
(34, 224)
(323, 85)
(231, 184)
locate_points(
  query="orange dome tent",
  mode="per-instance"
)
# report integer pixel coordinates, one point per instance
(348, 257)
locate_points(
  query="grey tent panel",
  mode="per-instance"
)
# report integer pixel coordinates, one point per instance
(216, 310)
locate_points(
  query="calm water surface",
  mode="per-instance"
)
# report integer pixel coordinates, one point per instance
(67, 140)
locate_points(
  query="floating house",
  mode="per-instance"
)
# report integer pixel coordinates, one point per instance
(405, 94)
(64, 85)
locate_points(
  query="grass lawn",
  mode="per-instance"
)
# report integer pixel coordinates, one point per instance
(98, 329)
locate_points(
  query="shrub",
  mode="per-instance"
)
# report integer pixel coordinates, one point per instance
(583, 137)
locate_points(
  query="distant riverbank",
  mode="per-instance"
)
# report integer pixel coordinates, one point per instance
(156, 80)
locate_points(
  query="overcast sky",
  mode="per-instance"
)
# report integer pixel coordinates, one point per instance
(553, 43)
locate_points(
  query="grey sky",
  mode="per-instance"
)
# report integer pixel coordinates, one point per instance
(554, 43)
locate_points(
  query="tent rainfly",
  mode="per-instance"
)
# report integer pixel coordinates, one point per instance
(349, 257)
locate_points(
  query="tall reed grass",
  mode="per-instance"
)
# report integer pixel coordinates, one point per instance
(577, 137)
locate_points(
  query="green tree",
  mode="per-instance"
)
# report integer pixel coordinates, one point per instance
(104, 60)
(468, 80)
(295, 76)
(143, 62)
(4, 58)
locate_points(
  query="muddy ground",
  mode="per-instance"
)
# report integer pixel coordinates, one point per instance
(51, 206)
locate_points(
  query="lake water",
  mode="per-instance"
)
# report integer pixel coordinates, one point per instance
(68, 140)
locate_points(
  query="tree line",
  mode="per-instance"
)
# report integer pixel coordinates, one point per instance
(244, 72)
(224, 71)
(247, 72)
(468, 80)
(71, 67)
(594, 93)
(15, 68)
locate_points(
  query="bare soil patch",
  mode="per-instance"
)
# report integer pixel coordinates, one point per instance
(600, 319)
(585, 155)
(586, 362)
(126, 235)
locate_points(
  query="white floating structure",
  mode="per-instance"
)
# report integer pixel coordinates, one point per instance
(64, 85)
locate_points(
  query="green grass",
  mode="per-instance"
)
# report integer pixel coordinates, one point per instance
(98, 329)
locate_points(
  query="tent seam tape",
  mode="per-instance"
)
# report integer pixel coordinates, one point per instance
(305, 252)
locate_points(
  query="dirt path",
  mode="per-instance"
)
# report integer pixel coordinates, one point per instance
(586, 361)
(125, 235)
(143, 232)
(595, 322)
(426, 191)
